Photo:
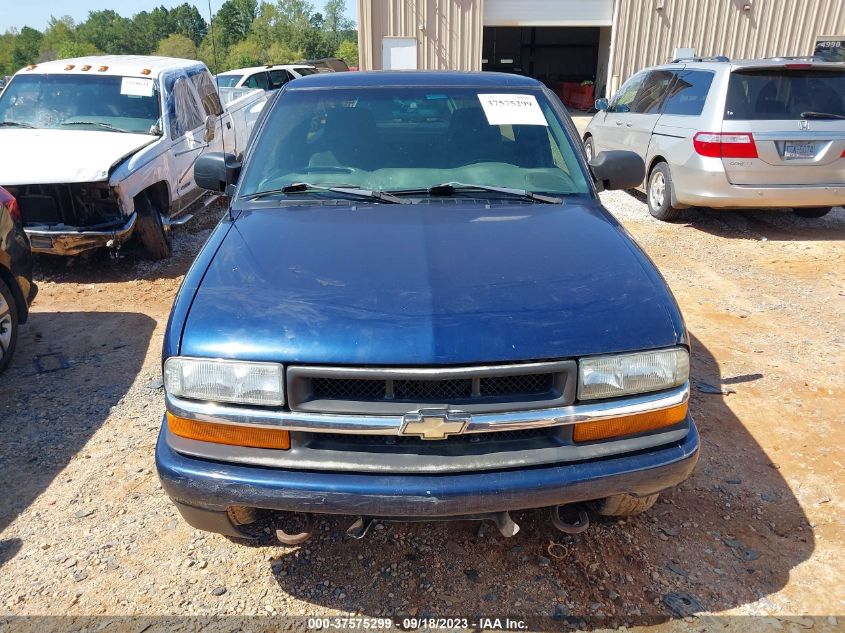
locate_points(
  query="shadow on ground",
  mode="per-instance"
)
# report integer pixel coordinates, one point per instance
(757, 224)
(718, 538)
(69, 370)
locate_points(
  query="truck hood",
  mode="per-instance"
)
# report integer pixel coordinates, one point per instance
(36, 157)
(428, 284)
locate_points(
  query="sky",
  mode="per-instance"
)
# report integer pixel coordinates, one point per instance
(35, 13)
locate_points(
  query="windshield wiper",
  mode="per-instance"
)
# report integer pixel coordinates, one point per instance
(107, 126)
(15, 124)
(821, 115)
(303, 187)
(450, 188)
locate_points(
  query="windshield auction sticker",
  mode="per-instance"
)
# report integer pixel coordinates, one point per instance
(511, 109)
(136, 87)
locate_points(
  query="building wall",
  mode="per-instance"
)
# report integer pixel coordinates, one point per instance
(645, 36)
(448, 32)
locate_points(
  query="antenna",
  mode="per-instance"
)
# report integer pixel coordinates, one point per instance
(217, 85)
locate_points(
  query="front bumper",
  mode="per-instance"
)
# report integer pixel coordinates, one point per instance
(64, 242)
(204, 489)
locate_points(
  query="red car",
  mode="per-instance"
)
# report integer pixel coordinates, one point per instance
(16, 287)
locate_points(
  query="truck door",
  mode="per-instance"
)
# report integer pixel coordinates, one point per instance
(186, 118)
(224, 135)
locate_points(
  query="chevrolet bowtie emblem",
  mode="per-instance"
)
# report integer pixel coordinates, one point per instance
(434, 424)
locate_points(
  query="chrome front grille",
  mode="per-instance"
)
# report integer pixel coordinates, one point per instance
(383, 391)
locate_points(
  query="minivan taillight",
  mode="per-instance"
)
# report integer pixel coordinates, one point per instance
(725, 144)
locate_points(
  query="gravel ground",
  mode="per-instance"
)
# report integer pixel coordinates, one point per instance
(758, 530)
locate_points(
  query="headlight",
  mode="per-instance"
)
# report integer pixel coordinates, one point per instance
(224, 381)
(612, 376)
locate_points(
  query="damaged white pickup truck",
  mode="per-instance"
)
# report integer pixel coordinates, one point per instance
(98, 148)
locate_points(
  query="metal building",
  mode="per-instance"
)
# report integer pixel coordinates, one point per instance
(603, 41)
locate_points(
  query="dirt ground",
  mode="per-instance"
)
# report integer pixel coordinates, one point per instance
(85, 528)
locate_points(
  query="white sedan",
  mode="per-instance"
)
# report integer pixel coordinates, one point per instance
(270, 77)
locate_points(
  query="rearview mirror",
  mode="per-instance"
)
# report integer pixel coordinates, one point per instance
(618, 169)
(216, 171)
(601, 104)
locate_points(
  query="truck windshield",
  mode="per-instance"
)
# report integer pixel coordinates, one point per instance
(765, 95)
(82, 102)
(413, 138)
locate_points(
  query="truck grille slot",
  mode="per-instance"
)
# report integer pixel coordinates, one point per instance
(377, 391)
(446, 390)
(345, 441)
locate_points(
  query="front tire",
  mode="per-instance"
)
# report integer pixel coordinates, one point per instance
(812, 212)
(659, 194)
(151, 229)
(8, 325)
(624, 505)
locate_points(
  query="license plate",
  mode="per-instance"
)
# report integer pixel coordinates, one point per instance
(798, 150)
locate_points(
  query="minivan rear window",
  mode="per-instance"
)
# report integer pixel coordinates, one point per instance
(764, 95)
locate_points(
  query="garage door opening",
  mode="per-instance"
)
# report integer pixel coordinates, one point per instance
(561, 57)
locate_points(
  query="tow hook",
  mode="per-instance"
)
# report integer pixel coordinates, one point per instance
(505, 524)
(299, 538)
(573, 527)
(358, 530)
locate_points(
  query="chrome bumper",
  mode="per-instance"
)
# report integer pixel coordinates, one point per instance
(58, 242)
(392, 424)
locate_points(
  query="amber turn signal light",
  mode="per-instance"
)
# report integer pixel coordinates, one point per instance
(231, 434)
(629, 424)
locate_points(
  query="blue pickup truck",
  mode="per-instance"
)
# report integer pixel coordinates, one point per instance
(418, 309)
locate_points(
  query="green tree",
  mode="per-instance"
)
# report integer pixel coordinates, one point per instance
(335, 24)
(234, 20)
(177, 45)
(249, 52)
(7, 47)
(26, 46)
(279, 53)
(212, 52)
(294, 26)
(110, 33)
(60, 32)
(186, 20)
(150, 27)
(73, 48)
(348, 52)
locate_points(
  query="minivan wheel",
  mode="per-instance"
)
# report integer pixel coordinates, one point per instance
(8, 325)
(624, 505)
(589, 148)
(812, 212)
(659, 194)
(151, 229)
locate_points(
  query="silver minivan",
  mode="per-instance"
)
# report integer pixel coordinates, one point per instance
(744, 134)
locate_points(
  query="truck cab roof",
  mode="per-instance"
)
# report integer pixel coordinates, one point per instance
(422, 78)
(117, 65)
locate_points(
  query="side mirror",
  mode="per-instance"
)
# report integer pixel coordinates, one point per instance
(210, 124)
(601, 104)
(215, 171)
(618, 169)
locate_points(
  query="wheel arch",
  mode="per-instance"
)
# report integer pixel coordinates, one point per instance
(159, 195)
(655, 160)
